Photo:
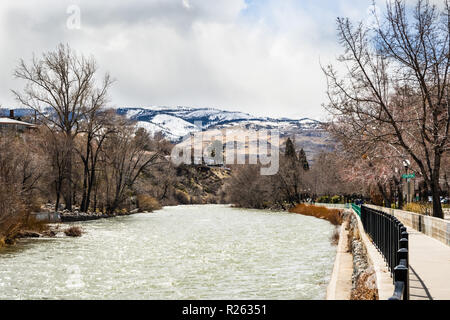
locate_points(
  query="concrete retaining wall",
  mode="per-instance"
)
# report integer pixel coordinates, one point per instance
(333, 205)
(340, 285)
(436, 228)
(47, 216)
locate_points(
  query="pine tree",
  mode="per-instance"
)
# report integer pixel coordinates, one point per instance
(290, 150)
(303, 160)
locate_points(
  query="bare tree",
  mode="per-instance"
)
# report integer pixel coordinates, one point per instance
(127, 152)
(62, 89)
(20, 171)
(52, 144)
(327, 176)
(395, 91)
(93, 133)
(290, 181)
(247, 189)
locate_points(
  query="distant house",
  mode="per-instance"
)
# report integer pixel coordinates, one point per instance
(16, 125)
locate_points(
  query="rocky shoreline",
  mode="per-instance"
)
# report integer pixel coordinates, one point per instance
(68, 216)
(76, 215)
(363, 276)
(54, 228)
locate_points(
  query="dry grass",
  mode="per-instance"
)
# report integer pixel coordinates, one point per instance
(32, 224)
(417, 207)
(334, 216)
(335, 237)
(147, 203)
(182, 197)
(73, 231)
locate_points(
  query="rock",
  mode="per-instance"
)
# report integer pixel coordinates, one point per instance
(10, 241)
(49, 233)
(28, 234)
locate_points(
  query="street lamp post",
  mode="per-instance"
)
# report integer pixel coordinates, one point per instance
(406, 164)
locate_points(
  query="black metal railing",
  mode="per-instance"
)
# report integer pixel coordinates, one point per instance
(391, 238)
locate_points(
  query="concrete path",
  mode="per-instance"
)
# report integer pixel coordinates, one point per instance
(417, 288)
(430, 263)
(340, 285)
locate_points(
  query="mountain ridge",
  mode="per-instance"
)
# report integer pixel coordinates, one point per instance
(196, 119)
(176, 123)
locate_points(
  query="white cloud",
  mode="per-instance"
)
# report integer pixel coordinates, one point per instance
(260, 57)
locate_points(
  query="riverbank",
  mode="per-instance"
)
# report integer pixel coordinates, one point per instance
(181, 252)
(42, 228)
(82, 216)
(340, 285)
(369, 278)
(334, 216)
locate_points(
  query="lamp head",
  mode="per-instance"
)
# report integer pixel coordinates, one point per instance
(406, 163)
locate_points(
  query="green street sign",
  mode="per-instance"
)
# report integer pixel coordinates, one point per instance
(409, 176)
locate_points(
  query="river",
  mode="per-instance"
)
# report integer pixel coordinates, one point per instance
(183, 252)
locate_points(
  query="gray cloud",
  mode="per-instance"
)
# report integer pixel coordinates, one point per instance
(260, 57)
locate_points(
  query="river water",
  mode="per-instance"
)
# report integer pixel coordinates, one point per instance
(184, 252)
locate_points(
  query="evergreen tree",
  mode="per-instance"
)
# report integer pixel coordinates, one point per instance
(290, 150)
(303, 160)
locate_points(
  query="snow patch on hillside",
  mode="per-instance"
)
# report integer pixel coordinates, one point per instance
(178, 127)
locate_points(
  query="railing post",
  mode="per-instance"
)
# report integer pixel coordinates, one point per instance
(401, 274)
(403, 243)
(403, 254)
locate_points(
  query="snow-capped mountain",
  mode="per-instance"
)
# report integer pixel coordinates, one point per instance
(175, 123)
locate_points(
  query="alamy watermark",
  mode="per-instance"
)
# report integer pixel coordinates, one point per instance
(229, 147)
(73, 21)
(75, 278)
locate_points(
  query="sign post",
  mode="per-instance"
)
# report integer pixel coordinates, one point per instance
(408, 178)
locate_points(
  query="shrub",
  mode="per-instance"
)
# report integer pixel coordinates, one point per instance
(335, 199)
(323, 199)
(147, 203)
(35, 204)
(73, 231)
(335, 237)
(196, 200)
(31, 224)
(182, 197)
(417, 207)
(334, 216)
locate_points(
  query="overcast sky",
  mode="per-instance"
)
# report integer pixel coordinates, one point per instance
(258, 56)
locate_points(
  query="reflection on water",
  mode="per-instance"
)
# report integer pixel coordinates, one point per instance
(185, 252)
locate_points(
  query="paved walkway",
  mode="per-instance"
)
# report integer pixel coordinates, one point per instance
(430, 263)
(340, 285)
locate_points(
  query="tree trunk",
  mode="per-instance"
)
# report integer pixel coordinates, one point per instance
(68, 197)
(435, 192)
(386, 199)
(83, 207)
(89, 189)
(400, 196)
(58, 194)
(435, 187)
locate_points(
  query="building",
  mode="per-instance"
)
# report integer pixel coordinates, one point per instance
(7, 123)
(15, 125)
